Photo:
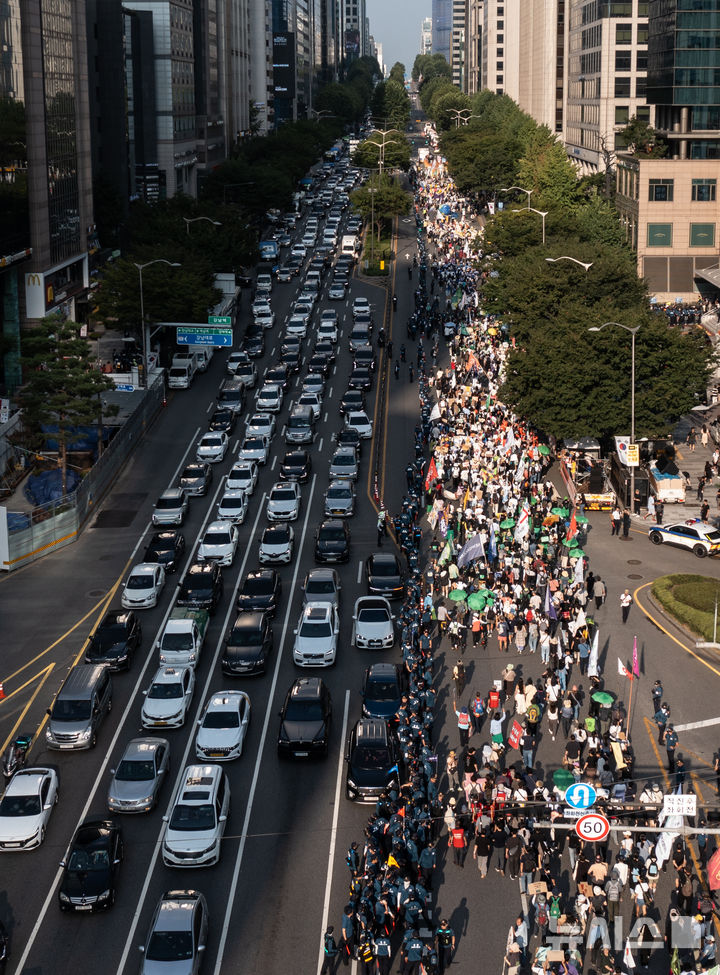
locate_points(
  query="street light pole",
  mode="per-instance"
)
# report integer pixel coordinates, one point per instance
(541, 213)
(189, 220)
(586, 264)
(145, 330)
(506, 189)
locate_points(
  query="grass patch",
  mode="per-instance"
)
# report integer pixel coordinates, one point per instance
(690, 599)
(381, 251)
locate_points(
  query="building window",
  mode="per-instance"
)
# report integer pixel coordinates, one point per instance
(659, 235)
(642, 8)
(660, 190)
(641, 61)
(642, 34)
(622, 87)
(702, 234)
(703, 190)
(623, 34)
(622, 114)
(623, 61)
(640, 86)
(642, 112)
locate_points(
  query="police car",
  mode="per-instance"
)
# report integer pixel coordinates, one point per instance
(694, 534)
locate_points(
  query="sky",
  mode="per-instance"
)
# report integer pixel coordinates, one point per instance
(396, 25)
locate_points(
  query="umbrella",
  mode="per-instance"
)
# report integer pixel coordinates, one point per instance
(476, 601)
(550, 520)
(577, 553)
(603, 697)
(581, 520)
(560, 512)
(463, 330)
(573, 543)
(456, 595)
(544, 538)
(507, 523)
(543, 449)
(486, 592)
(562, 778)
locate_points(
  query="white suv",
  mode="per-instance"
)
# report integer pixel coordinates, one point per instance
(197, 822)
(316, 635)
(694, 534)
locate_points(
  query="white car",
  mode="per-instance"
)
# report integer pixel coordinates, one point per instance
(340, 499)
(327, 331)
(233, 507)
(219, 543)
(314, 382)
(26, 807)
(304, 309)
(246, 373)
(143, 586)
(297, 326)
(168, 698)
(299, 250)
(223, 725)
(284, 502)
(316, 636)
(255, 448)
(276, 544)
(373, 623)
(265, 316)
(263, 423)
(361, 422)
(344, 464)
(307, 298)
(234, 360)
(270, 398)
(242, 477)
(196, 825)
(360, 306)
(700, 538)
(312, 400)
(213, 447)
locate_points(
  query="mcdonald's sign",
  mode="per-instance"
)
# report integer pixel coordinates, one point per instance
(35, 294)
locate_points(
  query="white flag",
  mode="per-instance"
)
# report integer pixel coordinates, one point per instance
(593, 669)
(621, 445)
(435, 412)
(622, 669)
(523, 523)
(628, 960)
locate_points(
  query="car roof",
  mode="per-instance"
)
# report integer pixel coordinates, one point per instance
(226, 700)
(173, 493)
(324, 573)
(199, 782)
(116, 617)
(261, 574)
(384, 558)
(201, 568)
(307, 688)
(144, 569)
(316, 612)
(372, 602)
(169, 675)
(252, 620)
(370, 729)
(175, 912)
(383, 670)
(27, 781)
(142, 747)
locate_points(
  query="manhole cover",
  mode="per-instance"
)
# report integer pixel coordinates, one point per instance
(97, 593)
(634, 561)
(634, 575)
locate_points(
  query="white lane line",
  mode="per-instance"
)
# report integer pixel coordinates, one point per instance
(191, 738)
(331, 392)
(320, 445)
(697, 724)
(325, 417)
(258, 761)
(272, 466)
(236, 447)
(333, 831)
(359, 577)
(272, 352)
(210, 406)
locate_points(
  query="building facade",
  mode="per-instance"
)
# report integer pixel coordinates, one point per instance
(541, 60)
(442, 27)
(426, 36)
(457, 43)
(473, 46)
(500, 68)
(356, 35)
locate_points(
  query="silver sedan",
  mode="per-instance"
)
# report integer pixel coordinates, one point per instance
(137, 780)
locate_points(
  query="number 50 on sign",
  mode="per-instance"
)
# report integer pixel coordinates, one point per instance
(592, 827)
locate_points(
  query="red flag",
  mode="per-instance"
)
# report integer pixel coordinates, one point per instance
(472, 361)
(572, 529)
(515, 735)
(713, 871)
(623, 671)
(636, 665)
(432, 474)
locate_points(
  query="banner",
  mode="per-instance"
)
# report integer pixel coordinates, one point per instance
(471, 550)
(515, 734)
(621, 445)
(432, 474)
(593, 669)
(522, 526)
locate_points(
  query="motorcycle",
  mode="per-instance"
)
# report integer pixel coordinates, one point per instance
(16, 755)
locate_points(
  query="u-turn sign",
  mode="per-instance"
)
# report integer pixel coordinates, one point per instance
(580, 795)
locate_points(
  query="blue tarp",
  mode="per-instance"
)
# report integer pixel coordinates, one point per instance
(79, 438)
(47, 486)
(17, 520)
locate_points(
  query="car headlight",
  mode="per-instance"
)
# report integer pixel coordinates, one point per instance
(64, 898)
(104, 896)
(351, 784)
(84, 735)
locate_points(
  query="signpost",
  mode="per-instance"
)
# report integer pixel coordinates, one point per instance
(124, 387)
(219, 320)
(580, 795)
(593, 827)
(215, 335)
(633, 455)
(674, 805)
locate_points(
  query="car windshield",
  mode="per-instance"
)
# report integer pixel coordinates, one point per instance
(165, 692)
(135, 770)
(64, 710)
(198, 583)
(382, 690)
(282, 496)
(170, 946)
(384, 568)
(712, 536)
(240, 474)
(187, 817)
(369, 757)
(315, 631)
(245, 638)
(304, 711)
(233, 502)
(20, 806)
(191, 473)
(320, 586)
(373, 615)
(217, 538)
(257, 587)
(222, 719)
(108, 636)
(165, 503)
(85, 861)
(276, 536)
(332, 534)
(140, 581)
(344, 460)
(211, 441)
(338, 493)
(253, 443)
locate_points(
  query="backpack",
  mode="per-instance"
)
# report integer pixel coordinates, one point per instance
(614, 889)
(555, 906)
(542, 914)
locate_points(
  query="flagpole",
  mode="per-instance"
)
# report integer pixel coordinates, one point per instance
(632, 683)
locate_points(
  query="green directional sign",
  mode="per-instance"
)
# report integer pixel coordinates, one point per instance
(219, 320)
(200, 335)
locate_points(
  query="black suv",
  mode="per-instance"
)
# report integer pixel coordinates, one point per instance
(248, 645)
(373, 760)
(383, 687)
(332, 541)
(201, 587)
(91, 869)
(384, 575)
(305, 719)
(296, 466)
(260, 591)
(115, 641)
(166, 548)
(223, 421)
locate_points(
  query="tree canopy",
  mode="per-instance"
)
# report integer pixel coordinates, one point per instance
(381, 200)
(390, 105)
(396, 154)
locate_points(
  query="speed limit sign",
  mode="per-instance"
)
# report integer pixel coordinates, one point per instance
(592, 827)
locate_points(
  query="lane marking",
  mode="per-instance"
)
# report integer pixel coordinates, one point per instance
(320, 445)
(330, 393)
(359, 575)
(334, 828)
(325, 417)
(261, 747)
(697, 724)
(274, 462)
(210, 406)
(48, 670)
(668, 633)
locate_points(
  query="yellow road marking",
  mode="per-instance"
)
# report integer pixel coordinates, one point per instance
(667, 632)
(47, 671)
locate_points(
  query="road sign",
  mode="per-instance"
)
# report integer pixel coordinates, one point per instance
(219, 320)
(205, 336)
(125, 387)
(680, 805)
(4, 410)
(569, 813)
(633, 455)
(592, 827)
(580, 795)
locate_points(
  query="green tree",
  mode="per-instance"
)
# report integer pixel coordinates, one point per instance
(396, 153)
(445, 105)
(546, 169)
(641, 139)
(429, 66)
(62, 387)
(390, 105)
(397, 73)
(381, 200)
(345, 101)
(479, 161)
(430, 88)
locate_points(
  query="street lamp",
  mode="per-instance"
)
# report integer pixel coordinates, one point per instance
(459, 113)
(381, 145)
(372, 191)
(633, 332)
(145, 332)
(506, 189)
(323, 113)
(542, 213)
(554, 260)
(189, 220)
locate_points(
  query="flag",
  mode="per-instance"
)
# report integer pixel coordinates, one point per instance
(435, 412)
(628, 960)
(432, 474)
(572, 529)
(445, 554)
(593, 669)
(392, 862)
(579, 570)
(465, 498)
(636, 665)
(675, 962)
(442, 525)
(472, 549)
(522, 527)
(472, 361)
(623, 671)
(621, 446)
(492, 544)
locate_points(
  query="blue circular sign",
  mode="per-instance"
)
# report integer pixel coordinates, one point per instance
(580, 795)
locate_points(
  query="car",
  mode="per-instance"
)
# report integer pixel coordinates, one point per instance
(262, 423)
(233, 507)
(305, 720)
(319, 363)
(279, 374)
(256, 448)
(297, 325)
(296, 466)
(290, 358)
(316, 635)
(329, 315)
(314, 382)
(270, 398)
(365, 356)
(327, 349)
(360, 378)
(284, 273)
(196, 479)
(332, 541)
(223, 420)
(702, 539)
(349, 438)
(115, 640)
(143, 586)
(304, 309)
(353, 401)
(277, 544)
(177, 936)
(360, 306)
(201, 587)
(336, 291)
(264, 315)
(373, 760)
(308, 296)
(283, 502)
(261, 590)
(248, 645)
(255, 341)
(234, 360)
(284, 240)
(294, 264)
(344, 464)
(382, 691)
(246, 373)
(212, 447)
(340, 499)
(25, 809)
(359, 336)
(196, 824)
(170, 508)
(312, 400)
(219, 543)
(242, 477)
(137, 780)
(360, 421)
(373, 624)
(167, 699)
(299, 250)
(167, 548)
(222, 727)
(322, 586)
(260, 305)
(91, 867)
(384, 576)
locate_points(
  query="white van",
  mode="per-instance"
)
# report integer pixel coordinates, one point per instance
(349, 245)
(180, 377)
(188, 359)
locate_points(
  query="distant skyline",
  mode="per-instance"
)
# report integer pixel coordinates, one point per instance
(396, 25)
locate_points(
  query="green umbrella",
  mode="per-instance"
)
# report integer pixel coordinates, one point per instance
(457, 594)
(507, 523)
(573, 543)
(486, 592)
(577, 553)
(544, 538)
(562, 778)
(603, 697)
(561, 512)
(476, 601)
(581, 520)
(463, 330)
(543, 449)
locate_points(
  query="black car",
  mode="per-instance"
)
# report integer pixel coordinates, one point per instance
(353, 401)
(290, 358)
(255, 341)
(166, 548)
(305, 719)
(115, 641)
(223, 421)
(294, 264)
(201, 587)
(196, 478)
(332, 541)
(296, 466)
(319, 363)
(349, 438)
(260, 590)
(248, 645)
(383, 688)
(373, 759)
(365, 356)
(91, 869)
(384, 575)
(279, 374)
(327, 349)
(360, 378)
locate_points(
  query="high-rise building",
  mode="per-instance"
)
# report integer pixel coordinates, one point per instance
(541, 59)
(457, 43)
(473, 46)
(234, 37)
(354, 29)
(426, 36)
(442, 27)
(500, 39)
